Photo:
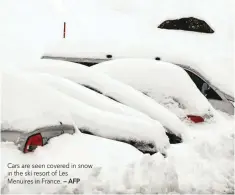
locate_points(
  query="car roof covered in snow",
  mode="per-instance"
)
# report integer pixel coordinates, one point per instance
(164, 82)
(202, 53)
(112, 88)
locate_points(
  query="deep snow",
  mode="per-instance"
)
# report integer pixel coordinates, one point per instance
(203, 165)
(139, 36)
(27, 104)
(166, 83)
(112, 88)
(85, 95)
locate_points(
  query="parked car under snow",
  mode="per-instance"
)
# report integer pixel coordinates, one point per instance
(34, 112)
(114, 89)
(164, 82)
(207, 58)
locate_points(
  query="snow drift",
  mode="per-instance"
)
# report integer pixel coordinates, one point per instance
(85, 95)
(28, 104)
(117, 167)
(112, 88)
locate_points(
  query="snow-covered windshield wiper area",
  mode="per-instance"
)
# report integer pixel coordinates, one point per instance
(142, 145)
(97, 91)
(28, 141)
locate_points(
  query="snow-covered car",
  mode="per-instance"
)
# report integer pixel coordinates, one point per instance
(33, 113)
(114, 89)
(207, 58)
(164, 82)
(218, 93)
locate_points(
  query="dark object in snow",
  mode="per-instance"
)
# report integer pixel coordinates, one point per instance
(174, 139)
(97, 91)
(187, 24)
(157, 58)
(109, 56)
(142, 146)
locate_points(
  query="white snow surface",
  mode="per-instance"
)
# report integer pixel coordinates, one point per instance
(125, 29)
(27, 105)
(130, 170)
(85, 95)
(139, 37)
(113, 88)
(204, 165)
(166, 83)
(201, 53)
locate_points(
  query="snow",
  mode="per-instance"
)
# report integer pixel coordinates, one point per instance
(164, 44)
(203, 165)
(26, 29)
(85, 95)
(166, 83)
(140, 37)
(22, 100)
(27, 105)
(113, 88)
(130, 27)
(209, 156)
(130, 170)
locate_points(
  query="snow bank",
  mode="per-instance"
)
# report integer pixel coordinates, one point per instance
(85, 95)
(117, 167)
(27, 104)
(204, 165)
(166, 83)
(113, 88)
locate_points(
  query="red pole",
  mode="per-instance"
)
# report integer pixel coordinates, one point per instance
(64, 33)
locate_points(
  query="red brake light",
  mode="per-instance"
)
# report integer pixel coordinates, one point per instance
(196, 119)
(32, 143)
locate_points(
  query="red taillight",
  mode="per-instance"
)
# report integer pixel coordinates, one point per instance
(32, 143)
(196, 119)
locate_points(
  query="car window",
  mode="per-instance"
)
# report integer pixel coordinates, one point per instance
(205, 89)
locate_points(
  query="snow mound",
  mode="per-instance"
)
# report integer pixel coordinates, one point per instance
(150, 174)
(112, 88)
(166, 83)
(28, 104)
(85, 95)
(129, 172)
(206, 163)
